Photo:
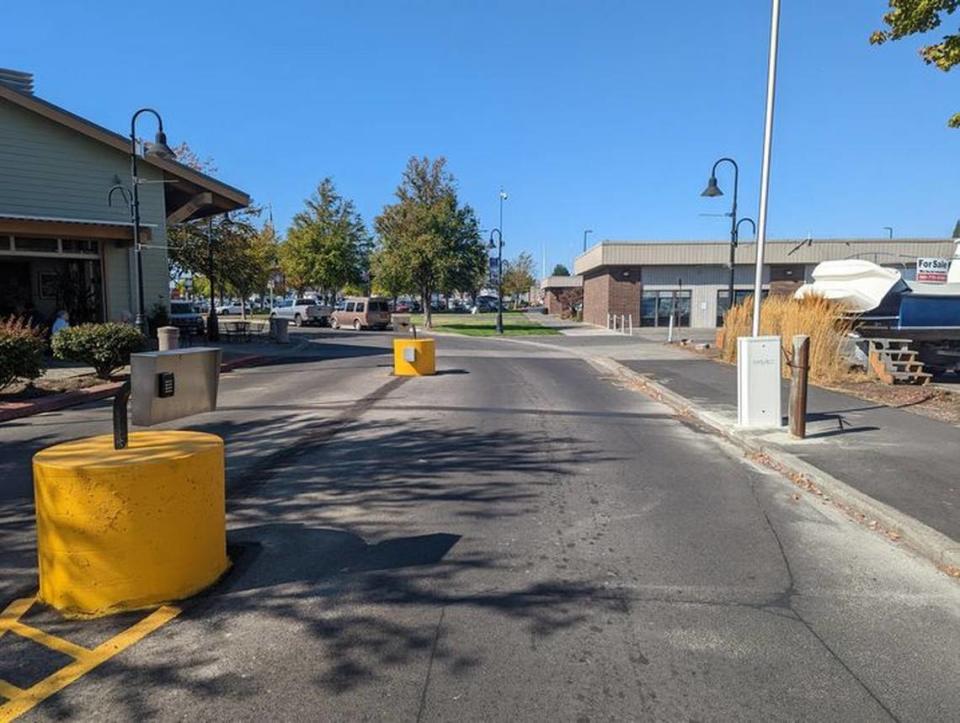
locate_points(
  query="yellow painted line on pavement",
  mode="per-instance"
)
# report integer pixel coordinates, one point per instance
(49, 641)
(21, 700)
(9, 690)
(13, 611)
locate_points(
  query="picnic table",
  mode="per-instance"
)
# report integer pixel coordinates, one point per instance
(236, 330)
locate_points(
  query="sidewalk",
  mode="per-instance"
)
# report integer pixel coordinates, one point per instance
(901, 459)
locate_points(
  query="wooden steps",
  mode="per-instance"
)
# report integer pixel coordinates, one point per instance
(894, 362)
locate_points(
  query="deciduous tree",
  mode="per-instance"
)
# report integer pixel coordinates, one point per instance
(327, 243)
(518, 276)
(911, 17)
(427, 233)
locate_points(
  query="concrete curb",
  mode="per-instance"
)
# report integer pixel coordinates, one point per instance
(898, 526)
(16, 410)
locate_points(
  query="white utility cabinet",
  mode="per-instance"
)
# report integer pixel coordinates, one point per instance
(758, 382)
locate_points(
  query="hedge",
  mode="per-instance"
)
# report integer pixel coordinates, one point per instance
(105, 347)
(21, 351)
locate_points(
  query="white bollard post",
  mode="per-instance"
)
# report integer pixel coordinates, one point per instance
(631, 324)
(670, 331)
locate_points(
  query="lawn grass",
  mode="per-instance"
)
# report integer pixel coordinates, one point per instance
(514, 324)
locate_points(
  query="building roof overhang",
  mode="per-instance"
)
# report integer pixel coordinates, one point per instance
(55, 227)
(203, 194)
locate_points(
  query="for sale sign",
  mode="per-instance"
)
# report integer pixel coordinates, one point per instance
(932, 271)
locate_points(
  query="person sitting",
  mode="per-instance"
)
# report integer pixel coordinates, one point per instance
(62, 322)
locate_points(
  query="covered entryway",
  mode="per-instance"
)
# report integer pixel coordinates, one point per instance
(40, 276)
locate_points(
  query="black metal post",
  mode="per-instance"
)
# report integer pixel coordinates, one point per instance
(121, 428)
(213, 325)
(141, 320)
(499, 277)
(586, 231)
(733, 221)
(499, 231)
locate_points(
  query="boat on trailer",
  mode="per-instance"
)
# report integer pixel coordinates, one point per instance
(885, 305)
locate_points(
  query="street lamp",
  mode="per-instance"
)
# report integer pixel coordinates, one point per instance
(712, 191)
(586, 231)
(157, 149)
(498, 245)
(213, 325)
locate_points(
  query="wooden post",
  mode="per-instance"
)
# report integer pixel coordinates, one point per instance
(799, 368)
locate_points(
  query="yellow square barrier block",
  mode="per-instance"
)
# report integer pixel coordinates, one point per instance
(414, 357)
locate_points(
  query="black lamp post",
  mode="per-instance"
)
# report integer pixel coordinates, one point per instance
(213, 326)
(157, 149)
(498, 245)
(712, 191)
(586, 231)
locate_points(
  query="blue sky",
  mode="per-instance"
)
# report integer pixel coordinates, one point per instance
(603, 115)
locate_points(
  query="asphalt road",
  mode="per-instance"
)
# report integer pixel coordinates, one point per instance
(516, 538)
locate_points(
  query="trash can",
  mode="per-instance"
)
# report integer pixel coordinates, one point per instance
(279, 330)
(168, 337)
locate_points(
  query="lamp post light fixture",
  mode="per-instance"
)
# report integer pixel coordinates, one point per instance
(498, 245)
(157, 149)
(712, 191)
(585, 232)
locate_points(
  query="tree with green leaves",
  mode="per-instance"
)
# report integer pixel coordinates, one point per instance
(327, 244)
(560, 270)
(390, 275)
(518, 275)
(912, 17)
(428, 233)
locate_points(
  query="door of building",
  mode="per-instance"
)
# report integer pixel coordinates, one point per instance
(657, 306)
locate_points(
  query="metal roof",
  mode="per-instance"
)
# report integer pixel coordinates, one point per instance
(781, 251)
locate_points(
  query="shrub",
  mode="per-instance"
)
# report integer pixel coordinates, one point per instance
(105, 347)
(823, 320)
(21, 351)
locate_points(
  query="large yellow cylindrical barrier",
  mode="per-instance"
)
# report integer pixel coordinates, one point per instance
(119, 529)
(414, 357)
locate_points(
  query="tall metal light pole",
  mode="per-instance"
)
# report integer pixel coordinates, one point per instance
(158, 149)
(585, 232)
(499, 230)
(712, 191)
(765, 166)
(889, 230)
(499, 246)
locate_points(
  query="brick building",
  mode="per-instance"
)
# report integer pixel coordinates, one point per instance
(561, 293)
(651, 280)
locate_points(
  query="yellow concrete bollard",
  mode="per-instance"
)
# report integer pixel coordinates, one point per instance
(414, 357)
(119, 529)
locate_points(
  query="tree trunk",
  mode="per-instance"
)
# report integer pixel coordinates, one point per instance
(427, 312)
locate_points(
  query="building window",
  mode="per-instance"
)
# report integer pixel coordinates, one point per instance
(741, 295)
(657, 306)
(36, 245)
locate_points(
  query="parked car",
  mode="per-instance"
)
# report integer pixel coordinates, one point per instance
(187, 318)
(232, 309)
(362, 312)
(484, 304)
(302, 311)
